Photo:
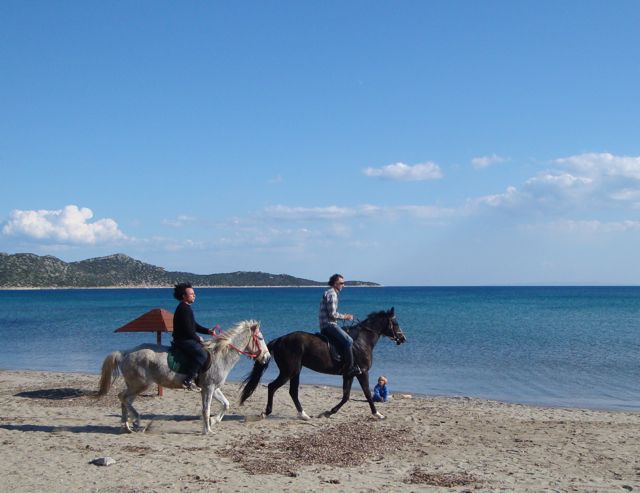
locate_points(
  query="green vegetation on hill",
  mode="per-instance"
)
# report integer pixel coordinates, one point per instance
(26, 270)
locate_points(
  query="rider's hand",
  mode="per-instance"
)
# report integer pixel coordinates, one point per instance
(348, 316)
(200, 339)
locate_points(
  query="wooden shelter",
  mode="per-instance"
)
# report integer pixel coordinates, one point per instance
(157, 320)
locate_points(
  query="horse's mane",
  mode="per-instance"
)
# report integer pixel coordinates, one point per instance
(223, 342)
(381, 313)
(357, 342)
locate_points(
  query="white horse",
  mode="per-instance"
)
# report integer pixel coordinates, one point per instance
(147, 364)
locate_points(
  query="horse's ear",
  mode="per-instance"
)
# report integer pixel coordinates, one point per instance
(255, 327)
(392, 312)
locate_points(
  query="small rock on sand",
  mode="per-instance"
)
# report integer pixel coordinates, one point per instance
(103, 461)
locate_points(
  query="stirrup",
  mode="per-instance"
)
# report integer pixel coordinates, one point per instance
(190, 385)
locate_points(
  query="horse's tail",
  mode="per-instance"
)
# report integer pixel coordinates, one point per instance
(110, 371)
(250, 383)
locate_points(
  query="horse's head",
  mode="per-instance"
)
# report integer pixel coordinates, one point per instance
(256, 347)
(392, 328)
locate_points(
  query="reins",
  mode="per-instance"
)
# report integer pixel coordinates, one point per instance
(361, 324)
(217, 333)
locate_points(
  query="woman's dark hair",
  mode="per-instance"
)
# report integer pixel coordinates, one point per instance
(334, 278)
(180, 289)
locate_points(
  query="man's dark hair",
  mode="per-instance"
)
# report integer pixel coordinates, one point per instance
(180, 289)
(334, 278)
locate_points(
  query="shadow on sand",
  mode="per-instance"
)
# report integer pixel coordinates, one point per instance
(57, 394)
(109, 430)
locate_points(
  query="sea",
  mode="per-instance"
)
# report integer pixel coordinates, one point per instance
(575, 347)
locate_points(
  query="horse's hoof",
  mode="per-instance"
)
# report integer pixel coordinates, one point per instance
(263, 415)
(303, 416)
(126, 428)
(379, 416)
(326, 414)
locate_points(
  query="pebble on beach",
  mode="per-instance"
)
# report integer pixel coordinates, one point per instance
(103, 461)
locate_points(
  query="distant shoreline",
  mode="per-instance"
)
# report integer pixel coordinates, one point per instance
(60, 288)
(444, 286)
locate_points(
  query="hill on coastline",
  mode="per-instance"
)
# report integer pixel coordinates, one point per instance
(26, 270)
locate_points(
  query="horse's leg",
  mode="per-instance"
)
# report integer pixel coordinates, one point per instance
(346, 392)
(225, 404)
(280, 380)
(294, 385)
(207, 394)
(363, 378)
(129, 396)
(124, 419)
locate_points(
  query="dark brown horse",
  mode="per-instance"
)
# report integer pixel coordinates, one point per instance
(297, 349)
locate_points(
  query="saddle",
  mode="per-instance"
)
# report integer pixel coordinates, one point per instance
(179, 362)
(334, 351)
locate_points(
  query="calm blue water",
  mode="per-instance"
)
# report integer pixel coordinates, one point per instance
(560, 346)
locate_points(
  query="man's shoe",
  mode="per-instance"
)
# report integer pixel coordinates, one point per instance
(190, 385)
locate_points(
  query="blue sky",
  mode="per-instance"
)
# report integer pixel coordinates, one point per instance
(409, 143)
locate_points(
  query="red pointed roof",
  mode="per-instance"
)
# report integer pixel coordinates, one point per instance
(156, 320)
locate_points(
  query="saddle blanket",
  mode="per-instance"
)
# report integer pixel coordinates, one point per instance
(179, 362)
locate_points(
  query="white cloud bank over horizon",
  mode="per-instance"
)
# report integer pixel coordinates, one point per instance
(334, 212)
(603, 164)
(67, 225)
(584, 184)
(588, 182)
(569, 226)
(593, 198)
(405, 172)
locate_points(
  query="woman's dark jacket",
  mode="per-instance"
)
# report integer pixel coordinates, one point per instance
(185, 326)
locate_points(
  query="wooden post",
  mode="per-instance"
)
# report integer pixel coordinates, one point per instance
(159, 340)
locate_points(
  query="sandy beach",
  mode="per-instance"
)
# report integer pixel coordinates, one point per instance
(52, 427)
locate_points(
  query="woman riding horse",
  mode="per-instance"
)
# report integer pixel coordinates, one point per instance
(185, 334)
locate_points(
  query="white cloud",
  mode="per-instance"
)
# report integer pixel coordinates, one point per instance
(423, 211)
(585, 182)
(166, 244)
(68, 225)
(510, 197)
(179, 221)
(626, 194)
(603, 164)
(362, 211)
(582, 185)
(570, 226)
(486, 161)
(561, 180)
(330, 212)
(405, 172)
(249, 234)
(601, 179)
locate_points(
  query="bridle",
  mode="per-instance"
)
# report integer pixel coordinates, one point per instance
(256, 337)
(392, 328)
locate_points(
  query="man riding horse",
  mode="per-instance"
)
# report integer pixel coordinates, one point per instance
(328, 324)
(185, 338)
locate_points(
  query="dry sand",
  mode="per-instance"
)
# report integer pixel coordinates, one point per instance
(51, 427)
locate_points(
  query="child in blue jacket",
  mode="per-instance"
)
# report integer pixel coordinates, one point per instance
(380, 391)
